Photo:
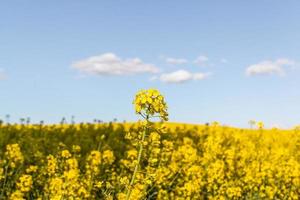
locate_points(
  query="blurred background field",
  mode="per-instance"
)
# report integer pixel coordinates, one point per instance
(184, 161)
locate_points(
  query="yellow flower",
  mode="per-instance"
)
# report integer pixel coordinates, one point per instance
(51, 164)
(124, 180)
(151, 102)
(76, 148)
(31, 169)
(108, 157)
(17, 195)
(260, 125)
(1, 174)
(55, 188)
(93, 161)
(66, 154)
(132, 154)
(25, 183)
(121, 196)
(14, 155)
(99, 184)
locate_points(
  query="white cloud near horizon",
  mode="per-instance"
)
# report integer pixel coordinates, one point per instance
(175, 61)
(269, 67)
(181, 76)
(111, 64)
(201, 60)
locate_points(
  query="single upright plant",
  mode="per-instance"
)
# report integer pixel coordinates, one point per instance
(148, 104)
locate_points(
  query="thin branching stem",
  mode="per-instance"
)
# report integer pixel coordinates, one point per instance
(138, 160)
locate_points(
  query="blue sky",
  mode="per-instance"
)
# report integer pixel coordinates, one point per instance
(227, 61)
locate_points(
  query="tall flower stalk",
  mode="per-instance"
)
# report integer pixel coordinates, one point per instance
(148, 104)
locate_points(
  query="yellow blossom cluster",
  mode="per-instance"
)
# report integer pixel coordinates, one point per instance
(14, 155)
(151, 102)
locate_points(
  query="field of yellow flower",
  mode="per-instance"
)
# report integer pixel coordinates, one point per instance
(147, 160)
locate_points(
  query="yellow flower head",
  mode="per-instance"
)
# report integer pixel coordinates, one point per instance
(76, 148)
(14, 155)
(25, 183)
(260, 125)
(51, 164)
(151, 102)
(93, 161)
(17, 195)
(108, 157)
(31, 169)
(66, 154)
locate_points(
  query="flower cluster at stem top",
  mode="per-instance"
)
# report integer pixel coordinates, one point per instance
(151, 103)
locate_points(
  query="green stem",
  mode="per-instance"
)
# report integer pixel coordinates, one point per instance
(99, 146)
(5, 179)
(138, 163)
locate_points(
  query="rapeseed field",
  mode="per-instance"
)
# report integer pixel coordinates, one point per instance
(149, 159)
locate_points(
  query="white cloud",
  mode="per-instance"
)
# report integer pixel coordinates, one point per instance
(269, 67)
(154, 78)
(201, 60)
(110, 64)
(285, 61)
(182, 76)
(175, 61)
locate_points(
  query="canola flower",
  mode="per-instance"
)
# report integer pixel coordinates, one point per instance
(260, 125)
(14, 155)
(148, 103)
(177, 161)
